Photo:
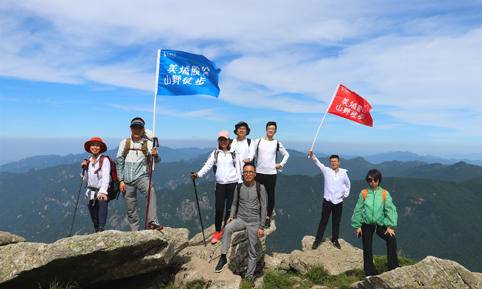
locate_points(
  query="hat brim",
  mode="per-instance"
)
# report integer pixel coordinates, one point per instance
(103, 146)
(223, 137)
(248, 130)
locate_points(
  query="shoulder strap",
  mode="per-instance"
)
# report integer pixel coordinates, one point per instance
(127, 147)
(277, 146)
(233, 155)
(144, 149)
(258, 191)
(238, 190)
(384, 196)
(216, 153)
(256, 152)
(364, 194)
(249, 142)
(101, 162)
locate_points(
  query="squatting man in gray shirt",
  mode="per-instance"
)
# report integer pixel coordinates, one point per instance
(248, 212)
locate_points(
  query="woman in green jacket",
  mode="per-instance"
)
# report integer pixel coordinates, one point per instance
(375, 212)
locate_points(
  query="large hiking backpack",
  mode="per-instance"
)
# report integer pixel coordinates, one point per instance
(258, 192)
(254, 160)
(128, 147)
(114, 188)
(216, 153)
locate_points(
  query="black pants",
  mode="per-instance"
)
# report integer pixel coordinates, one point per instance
(269, 183)
(335, 211)
(367, 237)
(224, 200)
(98, 213)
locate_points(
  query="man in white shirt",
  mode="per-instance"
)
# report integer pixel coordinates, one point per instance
(266, 166)
(242, 145)
(336, 189)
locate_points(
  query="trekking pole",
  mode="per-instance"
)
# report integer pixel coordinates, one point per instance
(155, 143)
(199, 211)
(77, 202)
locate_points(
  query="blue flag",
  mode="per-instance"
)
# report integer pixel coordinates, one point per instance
(182, 73)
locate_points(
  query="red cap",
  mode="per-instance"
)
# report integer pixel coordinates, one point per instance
(95, 139)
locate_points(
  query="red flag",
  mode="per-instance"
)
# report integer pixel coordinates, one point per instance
(350, 105)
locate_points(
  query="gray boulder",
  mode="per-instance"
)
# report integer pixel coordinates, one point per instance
(88, 259)
(431, 272)
(197, 262)
(334, 261)
(9, 238)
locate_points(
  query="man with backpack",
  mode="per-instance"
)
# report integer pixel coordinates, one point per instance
(265, 156)
(336, 189)
(134, 161)
(97, 173)
(242, 145)
(248, 212)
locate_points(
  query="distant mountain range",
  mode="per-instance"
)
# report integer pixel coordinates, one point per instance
(439, 205)
(406, 156)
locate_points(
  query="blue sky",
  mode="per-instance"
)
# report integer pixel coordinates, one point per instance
(73, 69)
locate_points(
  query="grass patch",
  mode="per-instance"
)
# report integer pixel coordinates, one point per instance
(278, 280)
(318, 275)
(62, 285)
(196, 284)
(381, 264)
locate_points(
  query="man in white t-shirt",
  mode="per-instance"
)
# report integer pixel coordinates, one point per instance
(267, 166)
(242, 145)
(336, 189)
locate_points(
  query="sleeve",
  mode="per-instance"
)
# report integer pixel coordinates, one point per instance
(150, 145)
(239, 168)
(120, 161)
(105, 179)
(264, 212)
(357, 217)
(318, 163)
(234, 204)
(285, 154)
(390, 212)
(207, 166)
(252, 150)
(347, 185)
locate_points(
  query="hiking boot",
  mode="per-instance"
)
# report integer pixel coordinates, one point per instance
(316, 244)
(221, 264)
(267, 223)
(336, 244)
(216, 237)
(154, 226)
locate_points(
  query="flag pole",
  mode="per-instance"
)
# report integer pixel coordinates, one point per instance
(323, 118)
(155, 143)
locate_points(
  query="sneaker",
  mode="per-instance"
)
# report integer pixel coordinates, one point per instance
(154, 226)
(316, 244)
(267, 223)
(221, 264)
(336, 244)
(216, 237)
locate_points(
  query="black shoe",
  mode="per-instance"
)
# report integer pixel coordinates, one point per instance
(154, 226)
(336, 244)
(221, 264)
(316, 244)
(267, 223)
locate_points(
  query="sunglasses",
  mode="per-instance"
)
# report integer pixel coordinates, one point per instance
(248, 172)
(369, 180)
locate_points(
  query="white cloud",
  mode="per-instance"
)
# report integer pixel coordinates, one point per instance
(391, 53)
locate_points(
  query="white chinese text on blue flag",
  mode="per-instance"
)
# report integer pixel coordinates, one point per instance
(182, 73)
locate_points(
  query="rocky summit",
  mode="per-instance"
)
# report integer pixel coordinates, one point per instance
(154, 260)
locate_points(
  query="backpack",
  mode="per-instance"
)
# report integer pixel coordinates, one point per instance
(127, 148)
(216, 153)
(114, 188)
(384, 195)
(257, 149)
(258, 192)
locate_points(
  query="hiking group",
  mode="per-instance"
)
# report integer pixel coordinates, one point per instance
(245, 172)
